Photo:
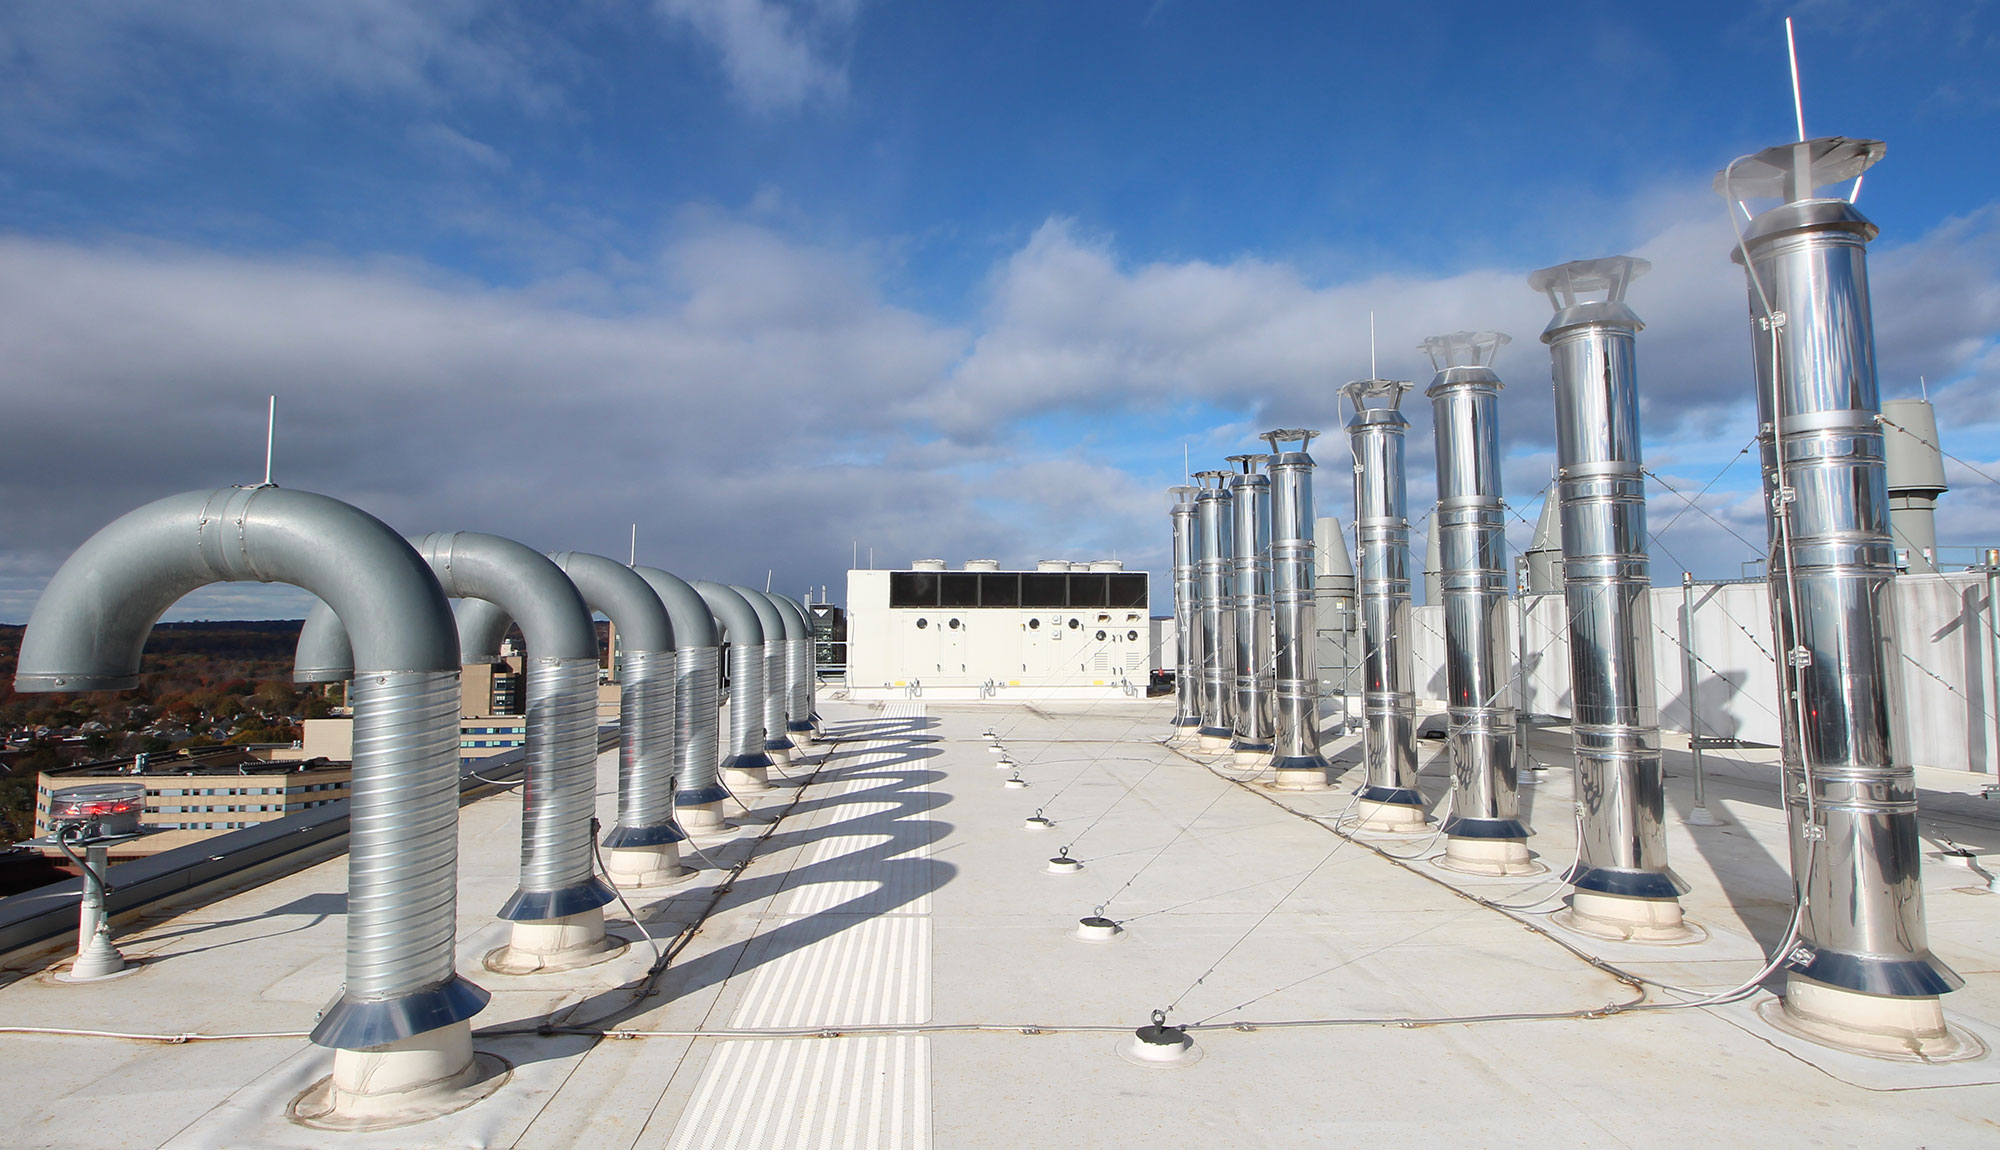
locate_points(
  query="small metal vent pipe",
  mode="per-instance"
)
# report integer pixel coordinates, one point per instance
(1863, 973)
(1215, 530)
(1389, 796)
(403, 998)
(1294, 619)
(558, 907)
(801, 695)
(1334, 594)
(640, 847)
(747, 765)
(776, 743)
(1187, 633)
(1485, 834)
(1915, 467)
(1622, 882)
(1250, 600)
(698, 790)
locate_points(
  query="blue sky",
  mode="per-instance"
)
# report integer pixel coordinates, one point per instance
(777, 278)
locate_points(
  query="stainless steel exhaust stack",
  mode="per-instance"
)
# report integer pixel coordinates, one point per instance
(1545, 550)
(1389, 799)
(1469, 530)
(558, 909)
(640, 850)
(1623, 886)
(747, 765)
(1215, 526)
(1187, 634)
(1862, 973)
(1250, 601)
(1915, 465)
(777, 744)
(404, 1007)
(698, 790)
(1295, 628)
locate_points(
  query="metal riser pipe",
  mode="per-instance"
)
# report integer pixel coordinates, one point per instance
(1382, 527)
(1851, 805)
(1250, 602)
(1187, 634)
(1602, 493)
(1295, 623)
(1215, 528)
(1470, 526)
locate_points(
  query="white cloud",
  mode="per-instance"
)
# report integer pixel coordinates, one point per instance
(778, 54)
(755, 402)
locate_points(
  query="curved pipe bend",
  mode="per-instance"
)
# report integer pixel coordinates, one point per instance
(776, 699)
(646, 673)
(745, 635)
(91, 623)
(697, 689)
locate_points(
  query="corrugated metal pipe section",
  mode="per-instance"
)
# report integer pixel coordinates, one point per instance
(771, 621)
(801, 706)
(1296, 758)
(746, 763)
(1214, 529)
(698, 790)
(86, 634)
(641, 843)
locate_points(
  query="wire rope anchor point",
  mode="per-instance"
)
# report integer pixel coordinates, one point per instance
(1038, 822)
(1063, 864)
(1703, 817)
(1094, 927)
(1015, 783)
(1160, 1045)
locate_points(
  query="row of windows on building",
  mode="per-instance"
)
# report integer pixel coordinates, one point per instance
(1016, 589)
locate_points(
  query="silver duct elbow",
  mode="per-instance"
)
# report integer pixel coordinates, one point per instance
(801, 708)
(1295, 627)
(697, 697)
(745, 636)
(1389, 795)
(645, 697)
(777, 743)
(1470, 528)
(1850, 802)
(1250, 601)
(1215, 527)
(91, 623)
(1622, 859)
(1187, 635)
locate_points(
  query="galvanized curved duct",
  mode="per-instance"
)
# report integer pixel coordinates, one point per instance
(746, 675)
(91, 623)
(697, 690)
(801, 709)
(772, 622)
(504, 581)
(645, 696)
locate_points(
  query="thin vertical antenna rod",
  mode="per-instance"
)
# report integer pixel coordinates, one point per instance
(767, 580)
(633, 560)
(1372, 372)
(1798, 101)
(270, 432)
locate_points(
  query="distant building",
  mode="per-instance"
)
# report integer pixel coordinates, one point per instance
(1064, 631)
(192, 795)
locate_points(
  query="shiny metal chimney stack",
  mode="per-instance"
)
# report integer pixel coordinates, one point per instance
(1623, 886)
(1187, 630)
(1294, 628)
(1484, 832)
(1215, 532)
(1389, 799)
(1862, 973)
(1250, 600)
